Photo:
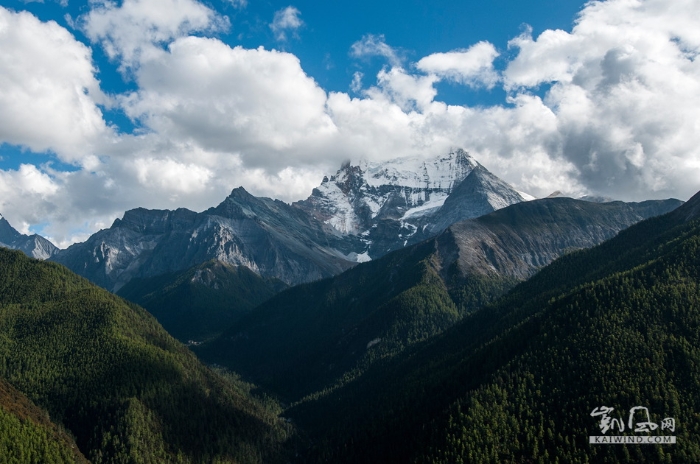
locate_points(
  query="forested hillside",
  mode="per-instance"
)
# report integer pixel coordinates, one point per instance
(403, 359)
(107, 371)
(307, 337)
(27, 433)
(517, 381)
(202, 301)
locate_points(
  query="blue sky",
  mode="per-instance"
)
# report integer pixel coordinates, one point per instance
(169, 103)
(329, 29)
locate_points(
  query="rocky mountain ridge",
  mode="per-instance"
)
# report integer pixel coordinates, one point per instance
(34, 246)
(362, 213)
(267, 236)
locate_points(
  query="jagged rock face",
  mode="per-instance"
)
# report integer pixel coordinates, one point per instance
(401, 202)
(34, 246)
(267, 236)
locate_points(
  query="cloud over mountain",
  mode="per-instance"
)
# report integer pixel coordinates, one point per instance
(609, 107)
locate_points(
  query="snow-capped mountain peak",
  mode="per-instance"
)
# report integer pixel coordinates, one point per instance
(355, 196)
(393, 201)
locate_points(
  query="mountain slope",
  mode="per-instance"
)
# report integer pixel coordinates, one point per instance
(267, 236)
(517, 381)
(479, 193)
(517, 241)
(313, 336)
(110, 374)
(202, 301)
(28, 435)
(34, 246)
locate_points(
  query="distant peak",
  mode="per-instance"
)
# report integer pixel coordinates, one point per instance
(239, 192)
(555, 194)
(239, 195)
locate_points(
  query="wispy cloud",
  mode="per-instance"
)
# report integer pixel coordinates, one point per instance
(375, 45)
(286, 21)
(240, 4)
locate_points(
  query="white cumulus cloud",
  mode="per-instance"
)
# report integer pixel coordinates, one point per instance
(257, 104)
(136, 27)
(625, 88)
(48, 89)
(473, 66)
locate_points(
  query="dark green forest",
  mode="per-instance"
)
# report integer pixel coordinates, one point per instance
(617, 326)
(201, 302)
(106, 372)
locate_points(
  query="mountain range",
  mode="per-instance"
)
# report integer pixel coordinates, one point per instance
(361, 213)
(405, 327)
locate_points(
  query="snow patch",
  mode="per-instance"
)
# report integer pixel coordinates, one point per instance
(418, 173)
(526, 196)
(343, 216)
(436, 201)
(357, 257)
